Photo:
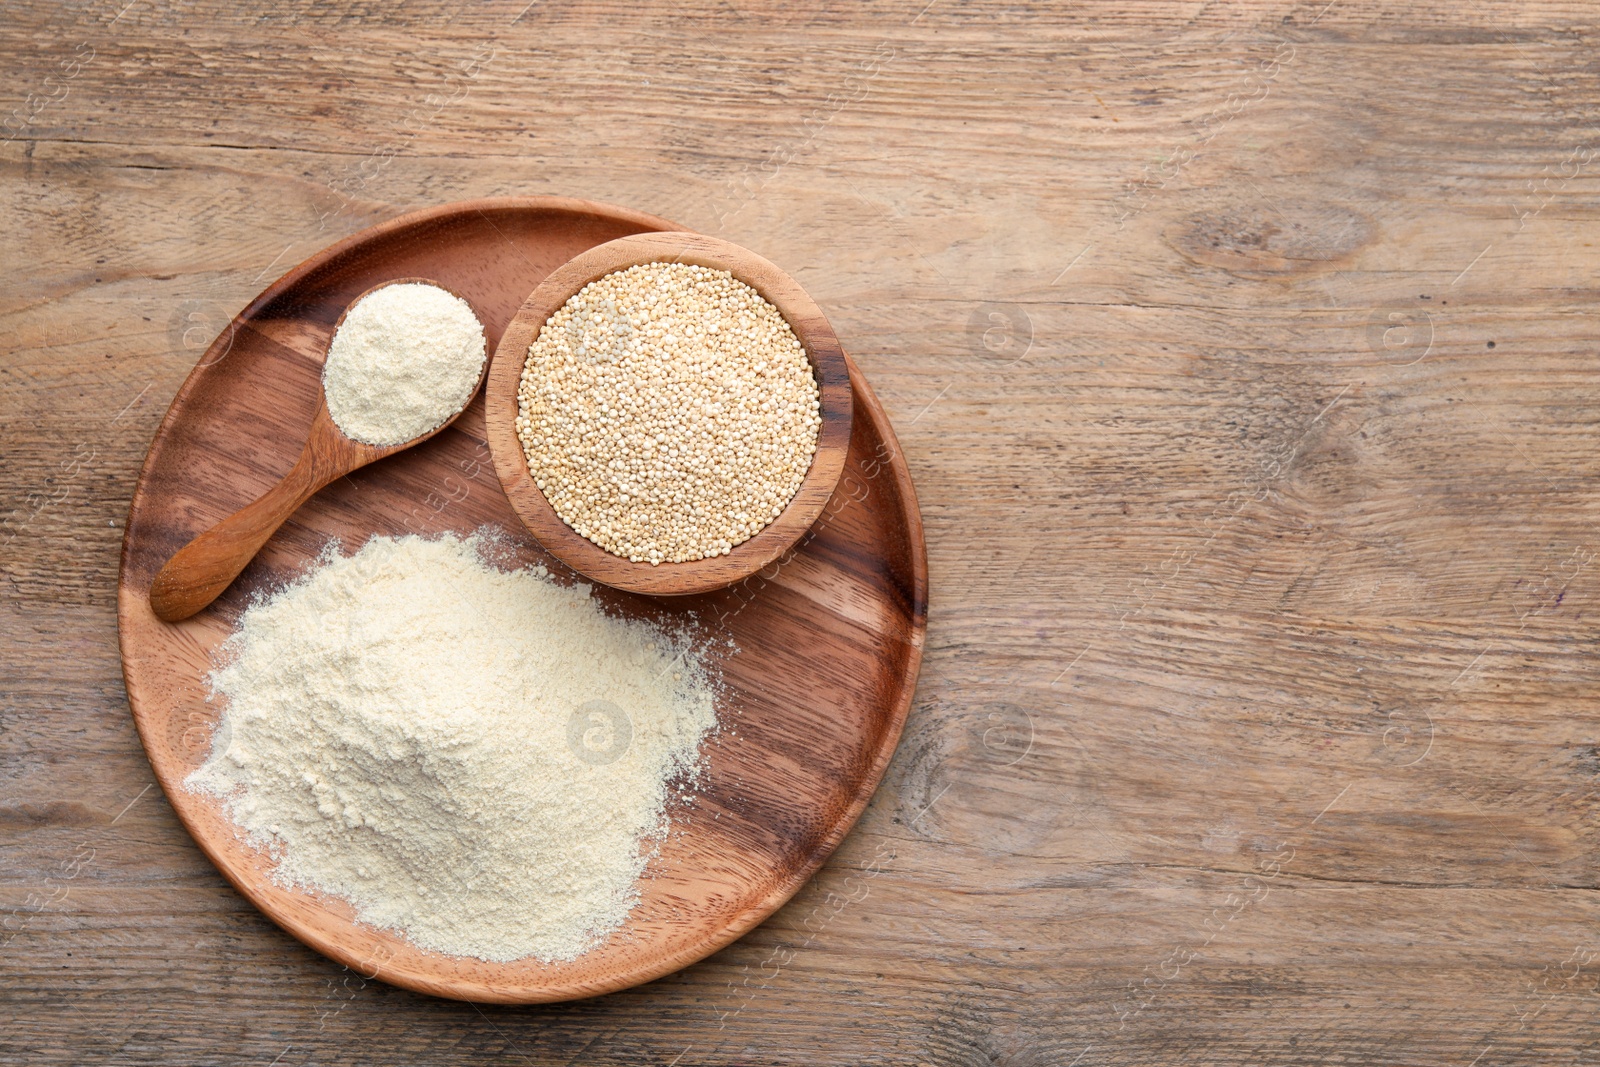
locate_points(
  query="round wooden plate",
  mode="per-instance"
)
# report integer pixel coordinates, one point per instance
(826, 640)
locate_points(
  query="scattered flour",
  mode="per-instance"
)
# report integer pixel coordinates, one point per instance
(405, 359)
(477, 758)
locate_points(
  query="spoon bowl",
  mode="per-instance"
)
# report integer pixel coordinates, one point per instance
(199, 572)
(810, 326)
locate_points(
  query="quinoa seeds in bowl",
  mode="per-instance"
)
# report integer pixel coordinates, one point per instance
(667, 412)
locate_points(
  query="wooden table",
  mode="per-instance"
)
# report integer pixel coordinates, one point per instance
(1241, 353)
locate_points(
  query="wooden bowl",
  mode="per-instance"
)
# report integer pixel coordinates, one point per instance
(697, 576)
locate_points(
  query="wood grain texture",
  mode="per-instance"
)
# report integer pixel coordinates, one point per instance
(828, 363)
(1215, 558)
(803, 745)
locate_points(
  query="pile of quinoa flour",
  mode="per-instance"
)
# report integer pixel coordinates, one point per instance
(477, 758)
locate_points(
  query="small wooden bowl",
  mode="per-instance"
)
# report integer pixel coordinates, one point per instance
(697, 576)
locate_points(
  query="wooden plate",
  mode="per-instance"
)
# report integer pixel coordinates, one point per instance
(829, 638)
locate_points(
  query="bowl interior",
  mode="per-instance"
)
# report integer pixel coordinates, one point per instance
(697, 576)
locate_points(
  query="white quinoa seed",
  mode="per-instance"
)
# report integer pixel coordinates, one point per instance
(668, 412)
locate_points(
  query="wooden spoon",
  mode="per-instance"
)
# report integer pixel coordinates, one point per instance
(199, 571)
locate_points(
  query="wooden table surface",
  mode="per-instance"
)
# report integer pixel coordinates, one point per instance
(1242, 356)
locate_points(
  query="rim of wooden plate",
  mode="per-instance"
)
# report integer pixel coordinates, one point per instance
(810, 326)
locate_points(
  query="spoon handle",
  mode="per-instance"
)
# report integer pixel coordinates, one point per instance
(199, 572)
